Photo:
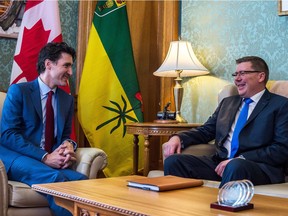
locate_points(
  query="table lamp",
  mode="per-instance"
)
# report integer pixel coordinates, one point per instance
(180, 62)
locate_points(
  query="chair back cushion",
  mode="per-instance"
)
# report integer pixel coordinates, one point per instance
(226, 91)
(279, 87)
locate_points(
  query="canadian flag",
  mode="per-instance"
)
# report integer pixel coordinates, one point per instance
(40, 25)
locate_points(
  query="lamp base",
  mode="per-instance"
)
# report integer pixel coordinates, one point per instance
(180, 119)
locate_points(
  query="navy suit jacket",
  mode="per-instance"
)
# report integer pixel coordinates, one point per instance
(263, 139)
(22, 122)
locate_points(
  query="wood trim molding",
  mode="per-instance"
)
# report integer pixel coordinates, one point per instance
(85, 18)
(170, 33)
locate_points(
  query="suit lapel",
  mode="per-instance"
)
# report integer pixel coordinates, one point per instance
(227, 116)
(61, 112)
(233, 110)
(35, 97)
(264, 100)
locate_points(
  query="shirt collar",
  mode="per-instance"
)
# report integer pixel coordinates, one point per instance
(44, 89)
(257, 96)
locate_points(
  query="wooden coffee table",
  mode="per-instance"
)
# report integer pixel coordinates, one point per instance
(111, 196)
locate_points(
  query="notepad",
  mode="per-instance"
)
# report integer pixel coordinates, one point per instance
(164, 183)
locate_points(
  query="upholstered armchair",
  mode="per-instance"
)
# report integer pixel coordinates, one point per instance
(17, 198)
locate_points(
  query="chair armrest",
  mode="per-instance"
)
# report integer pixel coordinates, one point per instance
(3, 190)
(90, 161)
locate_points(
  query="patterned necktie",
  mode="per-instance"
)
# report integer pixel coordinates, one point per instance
(239, 125)
(49, 126)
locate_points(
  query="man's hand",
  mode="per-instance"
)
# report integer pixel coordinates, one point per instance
(221, 167)
(70, 156)
(62, 157)
(172, 146)
(55, 159)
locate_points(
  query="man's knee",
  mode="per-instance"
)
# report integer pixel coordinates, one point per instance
(236, 164)
(236, 168)
(57, 176)
(171, 160)
(171, 164)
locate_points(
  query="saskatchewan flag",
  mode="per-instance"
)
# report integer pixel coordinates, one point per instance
(109, 92)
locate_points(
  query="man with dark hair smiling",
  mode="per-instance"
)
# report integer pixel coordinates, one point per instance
(36, 124)
(250, 132)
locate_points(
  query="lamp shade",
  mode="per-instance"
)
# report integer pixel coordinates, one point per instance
(180, 56)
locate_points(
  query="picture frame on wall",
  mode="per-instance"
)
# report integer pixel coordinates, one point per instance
(283, 7)
(11, 13)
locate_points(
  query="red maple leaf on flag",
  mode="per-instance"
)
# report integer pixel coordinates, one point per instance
(28, 55)
(29, 51)
(31, 4)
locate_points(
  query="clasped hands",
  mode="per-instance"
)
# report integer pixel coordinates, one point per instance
(62, 157)
(174, 146)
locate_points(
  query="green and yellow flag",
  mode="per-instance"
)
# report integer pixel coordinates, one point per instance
(109, 92)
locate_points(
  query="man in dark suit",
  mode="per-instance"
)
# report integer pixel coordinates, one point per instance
(23, 141)
(262, 148)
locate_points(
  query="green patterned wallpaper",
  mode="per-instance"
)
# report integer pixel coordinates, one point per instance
(69, 25)
(222, 31)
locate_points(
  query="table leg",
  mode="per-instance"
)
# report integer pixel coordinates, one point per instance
(135, 154)
(146, 155)
(65, 203)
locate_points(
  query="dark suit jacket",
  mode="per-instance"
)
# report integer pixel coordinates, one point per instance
(22, 122)
(264, 138)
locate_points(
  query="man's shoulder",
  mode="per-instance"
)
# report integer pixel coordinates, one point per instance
(64, 97)
(63, 93)
(278, 100)
(274, 100)
(278, 96)
(22, 86)
(232, 98)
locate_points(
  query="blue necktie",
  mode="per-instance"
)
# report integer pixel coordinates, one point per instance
(239, 125)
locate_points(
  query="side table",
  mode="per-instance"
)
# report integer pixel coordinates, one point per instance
(149, 129)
